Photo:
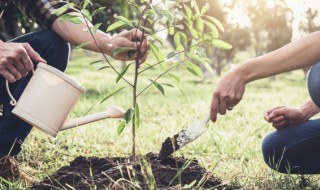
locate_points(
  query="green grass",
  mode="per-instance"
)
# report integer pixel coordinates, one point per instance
(231, 148)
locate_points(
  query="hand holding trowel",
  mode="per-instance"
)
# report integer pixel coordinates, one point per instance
(184, 137)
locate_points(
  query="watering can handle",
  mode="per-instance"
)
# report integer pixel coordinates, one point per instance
(13, 101)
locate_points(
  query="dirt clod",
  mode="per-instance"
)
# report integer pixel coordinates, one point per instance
(120, 173)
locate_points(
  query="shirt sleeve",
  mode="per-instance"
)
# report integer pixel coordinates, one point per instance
(42, 11)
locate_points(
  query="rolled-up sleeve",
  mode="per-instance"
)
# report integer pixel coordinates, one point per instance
(42, 11)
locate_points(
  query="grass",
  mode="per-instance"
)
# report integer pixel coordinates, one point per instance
(231, 148)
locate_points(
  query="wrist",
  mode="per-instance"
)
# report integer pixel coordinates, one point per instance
(242, 74)
(104, 42)
(309, 109)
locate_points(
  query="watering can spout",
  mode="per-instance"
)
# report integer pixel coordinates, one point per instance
(111, 112)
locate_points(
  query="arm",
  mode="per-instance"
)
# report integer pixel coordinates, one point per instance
(284, 115)
(75, 34)
(231, 87)
(296, 55)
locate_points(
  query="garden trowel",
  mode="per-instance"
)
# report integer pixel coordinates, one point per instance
(184, 137)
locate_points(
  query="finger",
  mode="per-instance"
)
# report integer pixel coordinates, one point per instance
(277, 113)
(144, 46)
(279, 124)
(277, 119)
(7, 75)
(230, 105)
(18, 63)
(222, 106)
(214, 108)
(275, 108)
(13, 71)
(33, 55)
(136, 35)
(143, 59)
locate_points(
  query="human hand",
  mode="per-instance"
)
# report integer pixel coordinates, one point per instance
(228, 93)
(284, 115)
(131, 39)
(16, 60)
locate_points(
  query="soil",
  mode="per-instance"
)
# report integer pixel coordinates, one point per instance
(118, 173)
(169, 146)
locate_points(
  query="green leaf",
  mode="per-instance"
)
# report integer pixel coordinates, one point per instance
(85, 4)
(120, 50)
(176, 40)
(184, 38)
(128, 115)
(86, 14)
(95, 27)
(193, 32)
(157, 11)
(168, 84)
(175, 77)
(61, 10)
(197, 58)
(216, 22)
(158, 86)
(200, 24)
(208, 67)
(194, 69)
(122, 73)
(168, 14)
(125, 20)
(148, 30)
(221, 44)
(137, 116)
(155, 50)
(188, 12)
(171, 54)
(97, 11)
(116, 25)
(189, 186)
(157, 38)
(111, 94)
(71, 18)
(204, 9)
(214, 31)
(171, 30)
(94, 62)
(104, 67)
(121, 127)
(82, 45)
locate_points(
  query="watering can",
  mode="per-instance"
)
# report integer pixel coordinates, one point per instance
(49, 98)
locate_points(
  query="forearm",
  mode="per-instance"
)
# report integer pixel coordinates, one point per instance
(309, 109)
(78, 33)
(296, 55)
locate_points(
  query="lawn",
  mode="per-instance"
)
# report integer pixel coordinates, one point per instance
(230, 148)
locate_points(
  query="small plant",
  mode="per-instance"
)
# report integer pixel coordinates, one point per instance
(186, 23)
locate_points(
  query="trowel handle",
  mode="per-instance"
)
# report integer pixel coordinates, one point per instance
(206, 118)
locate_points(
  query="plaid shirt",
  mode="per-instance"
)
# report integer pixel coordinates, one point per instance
(39, 11)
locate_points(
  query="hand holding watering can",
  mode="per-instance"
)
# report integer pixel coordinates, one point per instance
(49, 98)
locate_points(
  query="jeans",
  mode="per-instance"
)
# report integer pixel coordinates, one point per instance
(13, 130)
(295, 149)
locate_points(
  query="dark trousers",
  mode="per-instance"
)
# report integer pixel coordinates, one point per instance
(13, 130)
(296, 149)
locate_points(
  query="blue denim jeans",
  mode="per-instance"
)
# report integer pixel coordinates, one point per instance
(296, 149)
(13, 130)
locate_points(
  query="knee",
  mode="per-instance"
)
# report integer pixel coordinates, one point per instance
(274, 153)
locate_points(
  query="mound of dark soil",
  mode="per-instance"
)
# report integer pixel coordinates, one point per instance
(118, 173)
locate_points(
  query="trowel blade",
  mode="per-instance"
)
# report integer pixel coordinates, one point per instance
(184, 137)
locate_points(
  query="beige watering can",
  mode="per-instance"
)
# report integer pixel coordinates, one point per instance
(49, 98)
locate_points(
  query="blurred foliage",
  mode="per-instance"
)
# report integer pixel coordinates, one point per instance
(269, 25)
